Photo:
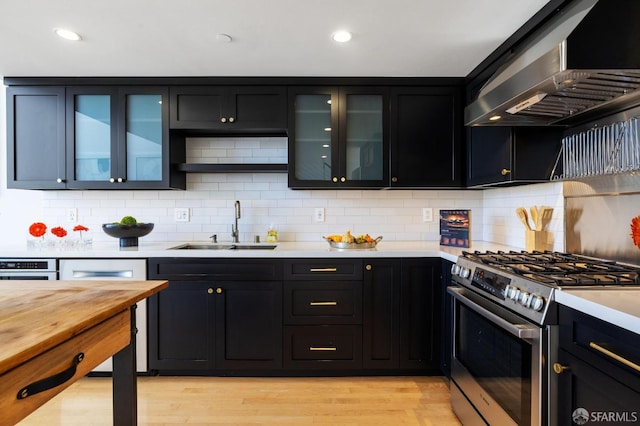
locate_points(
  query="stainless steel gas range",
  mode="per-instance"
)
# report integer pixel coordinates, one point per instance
(505, 331)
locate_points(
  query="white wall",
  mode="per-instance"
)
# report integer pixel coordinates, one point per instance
(265, 199)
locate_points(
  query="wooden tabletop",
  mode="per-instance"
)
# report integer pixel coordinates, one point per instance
(38, 315)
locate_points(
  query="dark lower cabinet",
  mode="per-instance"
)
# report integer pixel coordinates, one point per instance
(295, 316)
(402, 314)
(220, 317)
(598, 371)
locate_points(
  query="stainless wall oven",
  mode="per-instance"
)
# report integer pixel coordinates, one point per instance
(28, 269)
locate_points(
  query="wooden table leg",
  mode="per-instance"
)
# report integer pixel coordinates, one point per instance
(125, 387)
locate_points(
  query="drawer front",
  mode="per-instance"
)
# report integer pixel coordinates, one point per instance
(97, 344)
(323, 347)
(323, 302)
(215, 269)
(327, 269)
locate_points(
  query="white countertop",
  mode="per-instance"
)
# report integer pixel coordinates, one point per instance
(620, 307)
(284, 249)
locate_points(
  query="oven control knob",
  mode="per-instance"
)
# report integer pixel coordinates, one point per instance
(524, 298)
(465, 272)
(455, 269)
(512, 292)
(537, 303)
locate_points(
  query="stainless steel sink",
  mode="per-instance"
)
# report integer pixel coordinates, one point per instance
(216, 246)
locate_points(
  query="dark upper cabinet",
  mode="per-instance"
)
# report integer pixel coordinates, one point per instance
(36, 137)
(511, 155)
(338, 137)
(426, 134)
(118, 138)
(259, 109)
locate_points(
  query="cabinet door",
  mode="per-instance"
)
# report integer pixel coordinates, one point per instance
(381, 327)
(426, 137)
(313, 137)
(363, 140)
(182, 327)
(248, 325)
(91, 135)
(589, 394)
(420, 304)
(143, 149)
(229, 108)
(36, 138)
(489, 151)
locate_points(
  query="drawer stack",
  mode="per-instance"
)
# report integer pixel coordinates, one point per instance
(322, 314)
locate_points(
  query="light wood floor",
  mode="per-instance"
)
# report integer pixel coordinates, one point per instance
(259, 401)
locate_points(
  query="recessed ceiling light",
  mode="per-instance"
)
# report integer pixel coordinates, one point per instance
(67, 34)
(225, 38)
(341, 36)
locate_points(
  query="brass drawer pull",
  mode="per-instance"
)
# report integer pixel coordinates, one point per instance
(322, 349)
(323, 269)
(615, 356)
(53, 381)
(323, 303)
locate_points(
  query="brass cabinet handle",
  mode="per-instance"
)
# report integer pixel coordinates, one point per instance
(505, 172)
(368, 267)
(615, 356)
(219, 290)
(60, 180)
(322, 349)
(112, 180)
(323, 303)
(231, 119)
(210, 290)
(223, 120)
(559, 368)
(53, 381)
(323, 269)
(394, 179)
(343, 179)
(335, 179)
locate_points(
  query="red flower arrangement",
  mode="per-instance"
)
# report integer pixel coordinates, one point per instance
(80, 228)
(635, 231)
(37, 229)
(59, 232)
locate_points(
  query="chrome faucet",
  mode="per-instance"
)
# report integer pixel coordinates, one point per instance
(235, 233)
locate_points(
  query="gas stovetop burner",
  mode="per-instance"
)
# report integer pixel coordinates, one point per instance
(559, 269)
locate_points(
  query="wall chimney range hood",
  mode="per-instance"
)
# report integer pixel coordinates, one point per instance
(586, 58)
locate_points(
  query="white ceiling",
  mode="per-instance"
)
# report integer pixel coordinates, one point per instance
(393, 38)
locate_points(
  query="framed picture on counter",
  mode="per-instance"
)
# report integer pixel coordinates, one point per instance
(454, 228)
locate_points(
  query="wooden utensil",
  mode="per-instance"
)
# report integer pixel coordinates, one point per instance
(535, 217)
(521, 212)
(545, 216)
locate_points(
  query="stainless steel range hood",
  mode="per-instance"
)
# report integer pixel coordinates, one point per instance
(586, 57)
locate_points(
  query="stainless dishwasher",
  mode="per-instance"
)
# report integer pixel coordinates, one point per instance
(113, 270)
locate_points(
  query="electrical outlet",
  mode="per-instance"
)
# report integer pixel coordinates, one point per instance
(181, 214)
(427, 214)
(72, 215)
(318, 214)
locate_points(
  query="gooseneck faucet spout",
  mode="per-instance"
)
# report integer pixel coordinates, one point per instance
(235, 233)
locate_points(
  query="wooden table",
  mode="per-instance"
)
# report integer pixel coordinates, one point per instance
(52, 333)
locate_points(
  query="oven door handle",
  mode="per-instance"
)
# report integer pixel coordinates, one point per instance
(522, 331)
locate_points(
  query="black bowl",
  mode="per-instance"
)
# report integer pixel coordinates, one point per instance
(128, 234)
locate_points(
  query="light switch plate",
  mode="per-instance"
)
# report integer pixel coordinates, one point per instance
(427, 214)
(318, 214)
(181, 214)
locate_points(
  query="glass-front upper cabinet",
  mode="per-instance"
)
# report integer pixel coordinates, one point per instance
(337, 137)
(117, 137)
